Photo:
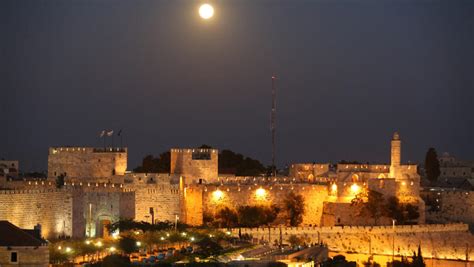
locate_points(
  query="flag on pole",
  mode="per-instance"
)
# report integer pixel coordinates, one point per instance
(110, 133)
(102, 133)
(119, 132)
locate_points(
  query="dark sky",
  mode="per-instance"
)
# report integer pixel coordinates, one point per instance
(350, 73)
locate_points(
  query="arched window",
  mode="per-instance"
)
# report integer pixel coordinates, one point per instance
(355, 178)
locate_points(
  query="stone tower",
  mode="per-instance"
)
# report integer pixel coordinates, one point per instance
(395, 155)
(195, 165)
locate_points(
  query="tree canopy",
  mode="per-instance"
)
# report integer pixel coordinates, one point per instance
(432, 165)
(294, 207)
(229, 161)
(160, 164)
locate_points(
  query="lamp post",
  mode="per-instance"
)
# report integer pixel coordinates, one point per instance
(393, 240)
(176, 217)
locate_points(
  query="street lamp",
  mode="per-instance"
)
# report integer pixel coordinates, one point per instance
(393, 240)
(176, 217)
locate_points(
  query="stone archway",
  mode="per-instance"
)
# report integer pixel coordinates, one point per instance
(355, 178)
(101, 226)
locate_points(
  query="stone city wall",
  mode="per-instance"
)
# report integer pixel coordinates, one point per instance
(239, 195)
(454, 206)
(443, 241)
(163, 198)
(51, 208)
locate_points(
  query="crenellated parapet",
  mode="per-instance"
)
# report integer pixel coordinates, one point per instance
(80, 162)
(195, 165)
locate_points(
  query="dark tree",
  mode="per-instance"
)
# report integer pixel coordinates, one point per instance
(208, 247)
(394, 210)
(418, 260)
(254, 216)
(294, 207)
(432, 165)
(227, 217)
(116, 261)
(375, 205)
(150, 164)
(242, 166)
(128, 245)
(402, 213)
(372, 204)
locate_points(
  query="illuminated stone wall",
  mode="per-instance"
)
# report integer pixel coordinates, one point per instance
(51, 208)
(309, 171)
(86, 163)
(445, 241)
(214, 198)
(96, 207)
(154, 190)
(194, 168)
(74, 210)
(193, 205)
(454, 207)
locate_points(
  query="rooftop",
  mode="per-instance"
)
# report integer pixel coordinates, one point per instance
(14, 236)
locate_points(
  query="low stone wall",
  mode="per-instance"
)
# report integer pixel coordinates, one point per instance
(214, 198)
(443, 241)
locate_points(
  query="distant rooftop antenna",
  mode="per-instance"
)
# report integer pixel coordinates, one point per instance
(273, 126)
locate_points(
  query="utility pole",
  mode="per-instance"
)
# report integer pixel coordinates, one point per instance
(273, 126)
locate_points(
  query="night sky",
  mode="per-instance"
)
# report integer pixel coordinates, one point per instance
(350, 74)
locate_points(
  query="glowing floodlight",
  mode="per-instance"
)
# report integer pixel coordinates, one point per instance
(355, 188)
(261, 193)
(217, 195)
(334, 188)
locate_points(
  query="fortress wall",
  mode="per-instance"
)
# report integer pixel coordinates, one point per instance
(86, 163)
(382, 168)
(193, 205)
(454, 207)
(163, 198)
(440, 241)
(51, 208)
(234, 196)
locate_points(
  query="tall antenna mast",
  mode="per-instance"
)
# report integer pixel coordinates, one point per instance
(273, 126)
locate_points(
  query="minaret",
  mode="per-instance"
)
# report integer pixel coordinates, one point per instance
(395, 155)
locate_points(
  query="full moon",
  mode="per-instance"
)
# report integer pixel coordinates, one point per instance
(206, 11)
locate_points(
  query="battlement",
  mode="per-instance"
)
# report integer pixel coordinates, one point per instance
(194, 164)
(424, 228)
(74, 149)
(258, 180)
(342, 167)
(87, 162)
(194, 150)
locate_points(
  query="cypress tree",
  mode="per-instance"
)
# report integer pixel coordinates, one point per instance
(432, 165)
